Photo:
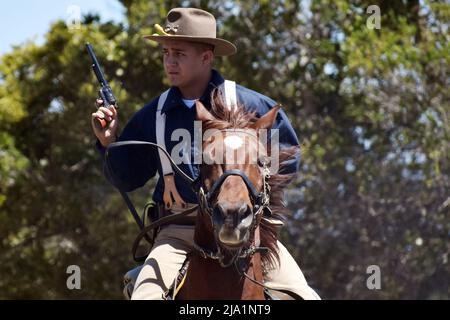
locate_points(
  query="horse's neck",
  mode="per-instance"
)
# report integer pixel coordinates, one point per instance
(208, 280)
(252, 291)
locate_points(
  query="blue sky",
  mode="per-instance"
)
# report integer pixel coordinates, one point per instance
(22, 20)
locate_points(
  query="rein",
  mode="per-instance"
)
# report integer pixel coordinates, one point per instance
(154, 145)
(164, 220)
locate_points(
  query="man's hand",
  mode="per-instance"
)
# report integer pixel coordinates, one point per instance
(108, 134)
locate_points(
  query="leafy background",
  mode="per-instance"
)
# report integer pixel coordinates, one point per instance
(371, 108)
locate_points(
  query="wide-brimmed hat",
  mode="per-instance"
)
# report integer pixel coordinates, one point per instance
(195, 25)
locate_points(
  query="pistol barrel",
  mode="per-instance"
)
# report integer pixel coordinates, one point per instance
(96, 66)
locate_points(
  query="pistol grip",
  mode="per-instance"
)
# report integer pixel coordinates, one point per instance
(100, 124)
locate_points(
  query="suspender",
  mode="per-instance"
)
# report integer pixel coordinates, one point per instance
(230, 94)
(160, 132)
(170, 190)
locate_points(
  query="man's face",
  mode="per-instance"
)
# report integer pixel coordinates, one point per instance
(183, 62)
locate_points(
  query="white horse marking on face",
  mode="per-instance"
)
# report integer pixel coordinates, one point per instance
(233, 142)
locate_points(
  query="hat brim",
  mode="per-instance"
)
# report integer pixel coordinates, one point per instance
(221, 47)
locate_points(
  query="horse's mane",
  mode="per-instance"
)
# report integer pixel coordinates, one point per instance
(240, 118)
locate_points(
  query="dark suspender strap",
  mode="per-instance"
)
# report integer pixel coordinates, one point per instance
(127, 200)
(132, 209)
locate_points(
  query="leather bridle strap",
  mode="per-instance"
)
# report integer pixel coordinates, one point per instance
(226, 174)
(161, 221)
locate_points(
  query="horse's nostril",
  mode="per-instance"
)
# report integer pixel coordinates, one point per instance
(244, 210)
(222, 210)
(218, 215)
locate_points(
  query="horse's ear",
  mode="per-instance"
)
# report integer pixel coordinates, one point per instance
(267, 120)
(202, 113)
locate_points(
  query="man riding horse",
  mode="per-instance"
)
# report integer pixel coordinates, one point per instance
(189, 45)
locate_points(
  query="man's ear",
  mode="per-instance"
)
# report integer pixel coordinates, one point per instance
(267, 120)
(202, 113)
(208, 57)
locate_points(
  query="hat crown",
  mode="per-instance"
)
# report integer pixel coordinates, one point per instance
(190, 22)
(194, 25)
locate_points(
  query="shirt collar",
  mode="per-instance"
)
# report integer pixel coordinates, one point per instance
(174, 98)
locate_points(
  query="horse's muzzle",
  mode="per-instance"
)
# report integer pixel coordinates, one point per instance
(232, 222)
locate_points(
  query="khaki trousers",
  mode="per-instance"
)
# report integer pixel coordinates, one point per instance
(169, 251)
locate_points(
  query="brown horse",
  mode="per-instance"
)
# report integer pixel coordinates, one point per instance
(235, 233)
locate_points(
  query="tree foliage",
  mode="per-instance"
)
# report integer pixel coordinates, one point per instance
(370, 106)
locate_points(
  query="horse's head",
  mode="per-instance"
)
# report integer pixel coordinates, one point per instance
(235, 225)
(234, 172)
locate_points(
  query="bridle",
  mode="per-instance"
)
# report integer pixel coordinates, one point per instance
(260, 203)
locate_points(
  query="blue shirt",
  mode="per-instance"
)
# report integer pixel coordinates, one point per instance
(133, 166)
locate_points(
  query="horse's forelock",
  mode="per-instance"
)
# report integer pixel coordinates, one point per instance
(225, 118)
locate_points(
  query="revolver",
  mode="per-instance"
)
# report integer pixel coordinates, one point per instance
(105, 91)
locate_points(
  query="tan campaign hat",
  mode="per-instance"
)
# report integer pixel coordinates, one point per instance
(191, 24)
